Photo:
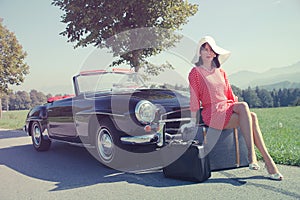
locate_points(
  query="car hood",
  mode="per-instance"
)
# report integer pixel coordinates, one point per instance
(168, 99)
(161, 96)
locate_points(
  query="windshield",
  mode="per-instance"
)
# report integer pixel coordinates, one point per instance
(109, 82)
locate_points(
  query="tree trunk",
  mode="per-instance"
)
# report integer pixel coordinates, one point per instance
(135, 62)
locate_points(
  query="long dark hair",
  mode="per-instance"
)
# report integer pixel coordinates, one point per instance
(215, 60)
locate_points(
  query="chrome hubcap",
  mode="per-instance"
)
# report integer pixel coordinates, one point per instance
(36, 134)
(105, 145)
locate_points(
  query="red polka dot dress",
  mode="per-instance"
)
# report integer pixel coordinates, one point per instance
(212, 91)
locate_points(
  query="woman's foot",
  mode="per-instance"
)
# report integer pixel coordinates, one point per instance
(273, 172)
(253, 162)
(277, 176)
(254, 166)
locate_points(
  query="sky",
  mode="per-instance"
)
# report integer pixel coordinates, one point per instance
(261, 34)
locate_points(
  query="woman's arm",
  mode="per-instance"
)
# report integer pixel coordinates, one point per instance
(194, 92)
(230, 95)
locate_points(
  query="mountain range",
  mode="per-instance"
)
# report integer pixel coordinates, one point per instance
(275, 78)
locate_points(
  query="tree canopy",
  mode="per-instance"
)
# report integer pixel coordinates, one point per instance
(149, 24)
(12, 65)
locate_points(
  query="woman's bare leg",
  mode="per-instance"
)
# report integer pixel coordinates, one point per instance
(260, 144)
(242, 118)
(249, 125)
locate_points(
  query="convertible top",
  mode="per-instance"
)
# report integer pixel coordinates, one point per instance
(100, 71)
(56, 98)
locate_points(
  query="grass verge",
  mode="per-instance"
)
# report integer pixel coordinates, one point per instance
(281, 130)
(13, 119)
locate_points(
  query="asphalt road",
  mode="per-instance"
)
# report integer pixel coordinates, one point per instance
(70, 172)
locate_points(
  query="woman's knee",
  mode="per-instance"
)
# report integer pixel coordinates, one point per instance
(241, 107)
(253, 116)
(245, 105)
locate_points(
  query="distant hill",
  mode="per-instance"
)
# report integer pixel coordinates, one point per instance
(283, 77)
(284, 84)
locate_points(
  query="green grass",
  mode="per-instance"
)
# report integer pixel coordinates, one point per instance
(281, 130)
(13, 119)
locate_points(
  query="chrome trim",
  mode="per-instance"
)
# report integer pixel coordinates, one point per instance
(74, 143)
(161, 134)
(175, 120)
(143, 139)
(164, 136)
(101, 113)
(157, 138)
(171, 112)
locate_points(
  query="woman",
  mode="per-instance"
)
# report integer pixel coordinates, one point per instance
(209, 88)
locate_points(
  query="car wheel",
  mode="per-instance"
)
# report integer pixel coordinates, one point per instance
(38, 140)
(107, 145)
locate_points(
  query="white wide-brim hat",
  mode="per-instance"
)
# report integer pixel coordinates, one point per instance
(223, 53)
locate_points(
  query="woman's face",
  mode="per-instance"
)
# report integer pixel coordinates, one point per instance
(206, 53)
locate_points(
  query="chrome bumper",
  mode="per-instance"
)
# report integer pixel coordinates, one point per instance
(157, 138)
(143, 139)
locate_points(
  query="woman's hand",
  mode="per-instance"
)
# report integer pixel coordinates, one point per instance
(189, 125)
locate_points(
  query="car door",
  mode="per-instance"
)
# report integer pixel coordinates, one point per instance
(60, 118)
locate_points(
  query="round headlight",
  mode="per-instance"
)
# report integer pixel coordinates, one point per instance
(145, 111)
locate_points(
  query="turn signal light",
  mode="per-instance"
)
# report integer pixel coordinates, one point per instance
(147, 128)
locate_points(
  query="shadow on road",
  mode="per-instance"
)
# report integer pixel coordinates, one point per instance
(74, 167)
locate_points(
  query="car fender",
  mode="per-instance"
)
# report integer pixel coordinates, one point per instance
(38, 113)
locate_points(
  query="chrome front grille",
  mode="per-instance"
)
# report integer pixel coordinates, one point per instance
(174, 119)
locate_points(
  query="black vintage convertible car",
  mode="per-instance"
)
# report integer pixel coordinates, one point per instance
(112, 111)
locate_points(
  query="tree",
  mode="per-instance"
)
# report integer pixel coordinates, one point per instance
(12, 102)
(265, 98)
(5, 102)
(251, 98)
(12, 65)
(124, 26)
(237, 92)
(296, 95)
(283, 97)
(37, 98)
(276, 101)
(22, 101)
(296, 102)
